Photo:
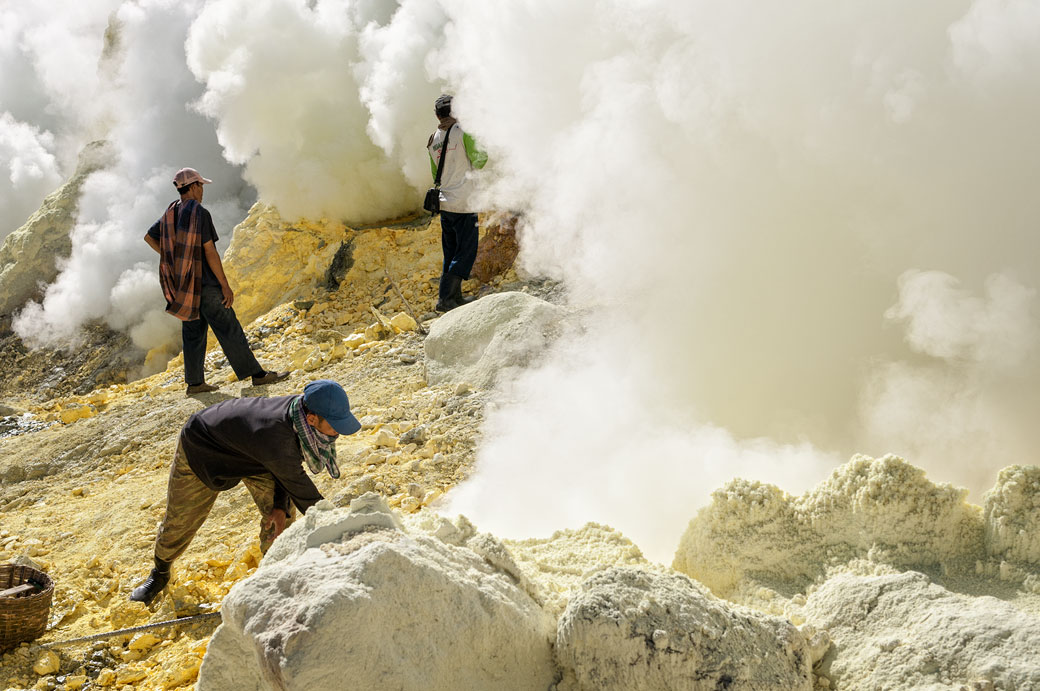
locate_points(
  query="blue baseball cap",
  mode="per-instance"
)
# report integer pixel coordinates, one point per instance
(326, 398)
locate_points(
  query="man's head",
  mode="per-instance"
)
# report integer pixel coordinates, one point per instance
(189, 183)
(442, 106)
(328, 409)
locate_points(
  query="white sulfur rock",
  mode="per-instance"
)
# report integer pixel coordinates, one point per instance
(903, 632)
(353, 598)
(884, 509)
(749, 528)
(479, 342)
(560, 564)
(1013, 515)
(632, 630)
(890, 508)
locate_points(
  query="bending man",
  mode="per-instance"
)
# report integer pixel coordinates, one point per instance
(260, 442)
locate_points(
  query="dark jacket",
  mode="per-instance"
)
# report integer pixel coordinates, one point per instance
(243, 437)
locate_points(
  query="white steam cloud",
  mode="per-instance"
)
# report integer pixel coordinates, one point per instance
(284, 82)
(737, 194)
(138, 99)
(744, 184)
(973, 400)
(44, 98)
(29, 167)
(945, 321)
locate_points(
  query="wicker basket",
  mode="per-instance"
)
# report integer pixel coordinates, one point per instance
(23, 617)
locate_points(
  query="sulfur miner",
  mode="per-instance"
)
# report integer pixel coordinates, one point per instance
(262, 443)
(453, 156)
(196, 290)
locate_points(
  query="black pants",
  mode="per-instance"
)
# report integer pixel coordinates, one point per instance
(459, 242)
(229, 333)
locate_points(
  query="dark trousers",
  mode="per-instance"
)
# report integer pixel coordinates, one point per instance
(459, 243)
(229, 333)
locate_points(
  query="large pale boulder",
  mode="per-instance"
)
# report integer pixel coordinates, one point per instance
(355, 600)
(904, 632)
(29, 255)
(484, 340)
(633, 630)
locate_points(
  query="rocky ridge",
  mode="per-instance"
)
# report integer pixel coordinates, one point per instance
(29, 256)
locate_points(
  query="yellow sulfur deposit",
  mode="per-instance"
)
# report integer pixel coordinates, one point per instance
(47, 663)
(76, 411)
(403, 322)
(85, 496)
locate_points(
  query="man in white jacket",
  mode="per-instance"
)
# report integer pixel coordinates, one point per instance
(458, 219)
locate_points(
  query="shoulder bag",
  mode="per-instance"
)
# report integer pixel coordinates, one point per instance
(432, 203)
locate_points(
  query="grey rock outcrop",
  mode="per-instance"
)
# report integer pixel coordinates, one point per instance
(481, 342)
(28, 256)
(633, 630)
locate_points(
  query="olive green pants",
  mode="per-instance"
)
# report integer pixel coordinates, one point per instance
(188, 503)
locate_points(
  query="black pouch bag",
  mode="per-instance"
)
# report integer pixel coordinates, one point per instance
(432, 203)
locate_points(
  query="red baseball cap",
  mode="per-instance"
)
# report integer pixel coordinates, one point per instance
(186, 176)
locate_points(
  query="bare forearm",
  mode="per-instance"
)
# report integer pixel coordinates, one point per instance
(153, 243)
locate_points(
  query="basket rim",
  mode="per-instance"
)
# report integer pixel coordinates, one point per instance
(47, 591)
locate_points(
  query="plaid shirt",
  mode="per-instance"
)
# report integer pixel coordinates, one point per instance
(180, 261)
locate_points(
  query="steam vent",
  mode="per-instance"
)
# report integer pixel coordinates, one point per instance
(717, 369)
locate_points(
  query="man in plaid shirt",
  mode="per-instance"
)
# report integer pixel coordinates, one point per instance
(195, 287)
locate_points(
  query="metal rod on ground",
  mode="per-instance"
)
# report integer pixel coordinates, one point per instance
(407, 305)
(135, 629)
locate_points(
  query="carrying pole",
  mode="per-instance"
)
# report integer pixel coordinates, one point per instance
(135, 629)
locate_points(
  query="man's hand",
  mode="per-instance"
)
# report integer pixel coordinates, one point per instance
(229, 296)
(275, 519)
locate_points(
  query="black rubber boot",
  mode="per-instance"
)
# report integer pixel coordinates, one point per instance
(456, 293)
(445, 292)
(154, 584)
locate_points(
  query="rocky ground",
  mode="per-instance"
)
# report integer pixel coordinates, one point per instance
(99, 358)
(83, 462)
